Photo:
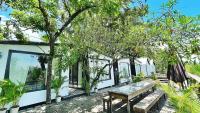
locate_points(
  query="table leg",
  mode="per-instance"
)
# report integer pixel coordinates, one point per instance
(128, 107)
(110, 103)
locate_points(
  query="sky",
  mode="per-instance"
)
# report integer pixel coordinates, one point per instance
(185, 7)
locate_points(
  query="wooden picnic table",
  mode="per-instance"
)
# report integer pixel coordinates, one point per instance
(130, 91)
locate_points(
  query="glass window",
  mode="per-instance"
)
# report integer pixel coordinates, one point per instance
(99, 64)
(28, 68)
(124, 70)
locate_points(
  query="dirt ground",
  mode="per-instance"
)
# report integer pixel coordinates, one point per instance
(91, 104)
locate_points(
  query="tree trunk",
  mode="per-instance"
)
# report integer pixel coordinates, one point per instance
(133, 70)
(98, 75)
(176, 73)
(85, 73)
(116, 72)
(49, 73)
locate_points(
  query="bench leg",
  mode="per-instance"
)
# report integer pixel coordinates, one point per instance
(108, 107)
(157, 105)
(104, 106)
(110, 104)
(165, 96)
(128, 107)
(153, 88)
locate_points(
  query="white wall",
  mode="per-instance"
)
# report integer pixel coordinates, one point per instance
(142, 65)
(80, 70)
(105, 83)
(36, 96)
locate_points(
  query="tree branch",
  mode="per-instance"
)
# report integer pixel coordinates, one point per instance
(98, 75)
(1, 2)
(45, 16)
(66, 8)
(70, 19)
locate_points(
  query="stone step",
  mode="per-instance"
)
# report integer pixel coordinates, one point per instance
(166, 109)
(163, 79)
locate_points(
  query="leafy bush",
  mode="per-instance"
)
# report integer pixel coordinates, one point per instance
(139, 77)
(3, 102)
(57, 83)
(153, 76)
(86, 85)
(87, 88)
(185, 101)
(193, 69)
(11, 91)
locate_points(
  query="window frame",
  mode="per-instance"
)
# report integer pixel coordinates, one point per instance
(129, 74)
(7, 70)
(103, 59)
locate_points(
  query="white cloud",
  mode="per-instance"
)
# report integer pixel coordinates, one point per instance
(3, 19)
(30, 34)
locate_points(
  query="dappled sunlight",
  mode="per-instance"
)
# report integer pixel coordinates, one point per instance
(88, 104)
(123, 106)
(97, 108)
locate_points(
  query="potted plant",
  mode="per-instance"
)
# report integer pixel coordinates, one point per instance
(3, 101)
(56, 85)
(13, 92)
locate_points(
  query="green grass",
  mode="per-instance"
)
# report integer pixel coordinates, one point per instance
(193, 69)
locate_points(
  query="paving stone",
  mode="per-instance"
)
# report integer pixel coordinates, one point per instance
(89, 104)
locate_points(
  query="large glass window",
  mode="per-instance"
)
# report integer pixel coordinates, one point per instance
(28, 68)
(99, 64)
(124, 71)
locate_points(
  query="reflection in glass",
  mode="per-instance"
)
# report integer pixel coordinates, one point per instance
(124, 70)
(29, 69)
(99, 64)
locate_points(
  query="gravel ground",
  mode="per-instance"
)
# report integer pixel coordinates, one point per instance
(91, 104)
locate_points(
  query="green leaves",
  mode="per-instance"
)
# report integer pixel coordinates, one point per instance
(193, 69)
(57, 83)
(185, 101)
(169, 21)
(32, 20)
(139, 77)
(170, 3)
(177, 32)
(11, 91)
(184, 20)
(1, 36)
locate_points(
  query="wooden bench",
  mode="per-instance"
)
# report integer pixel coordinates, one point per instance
(147, 103)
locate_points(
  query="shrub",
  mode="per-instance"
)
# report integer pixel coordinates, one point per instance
(139, 77)
(57, 83)
(193, 69)
(185, 101)
(87, 87)
(153, 76)
(3, 102)
(11, 91)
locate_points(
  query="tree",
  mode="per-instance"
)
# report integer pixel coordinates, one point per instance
(118, 36)
(54, 18)
(177, 34)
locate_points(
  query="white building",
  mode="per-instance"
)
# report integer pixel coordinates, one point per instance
(23, 62)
